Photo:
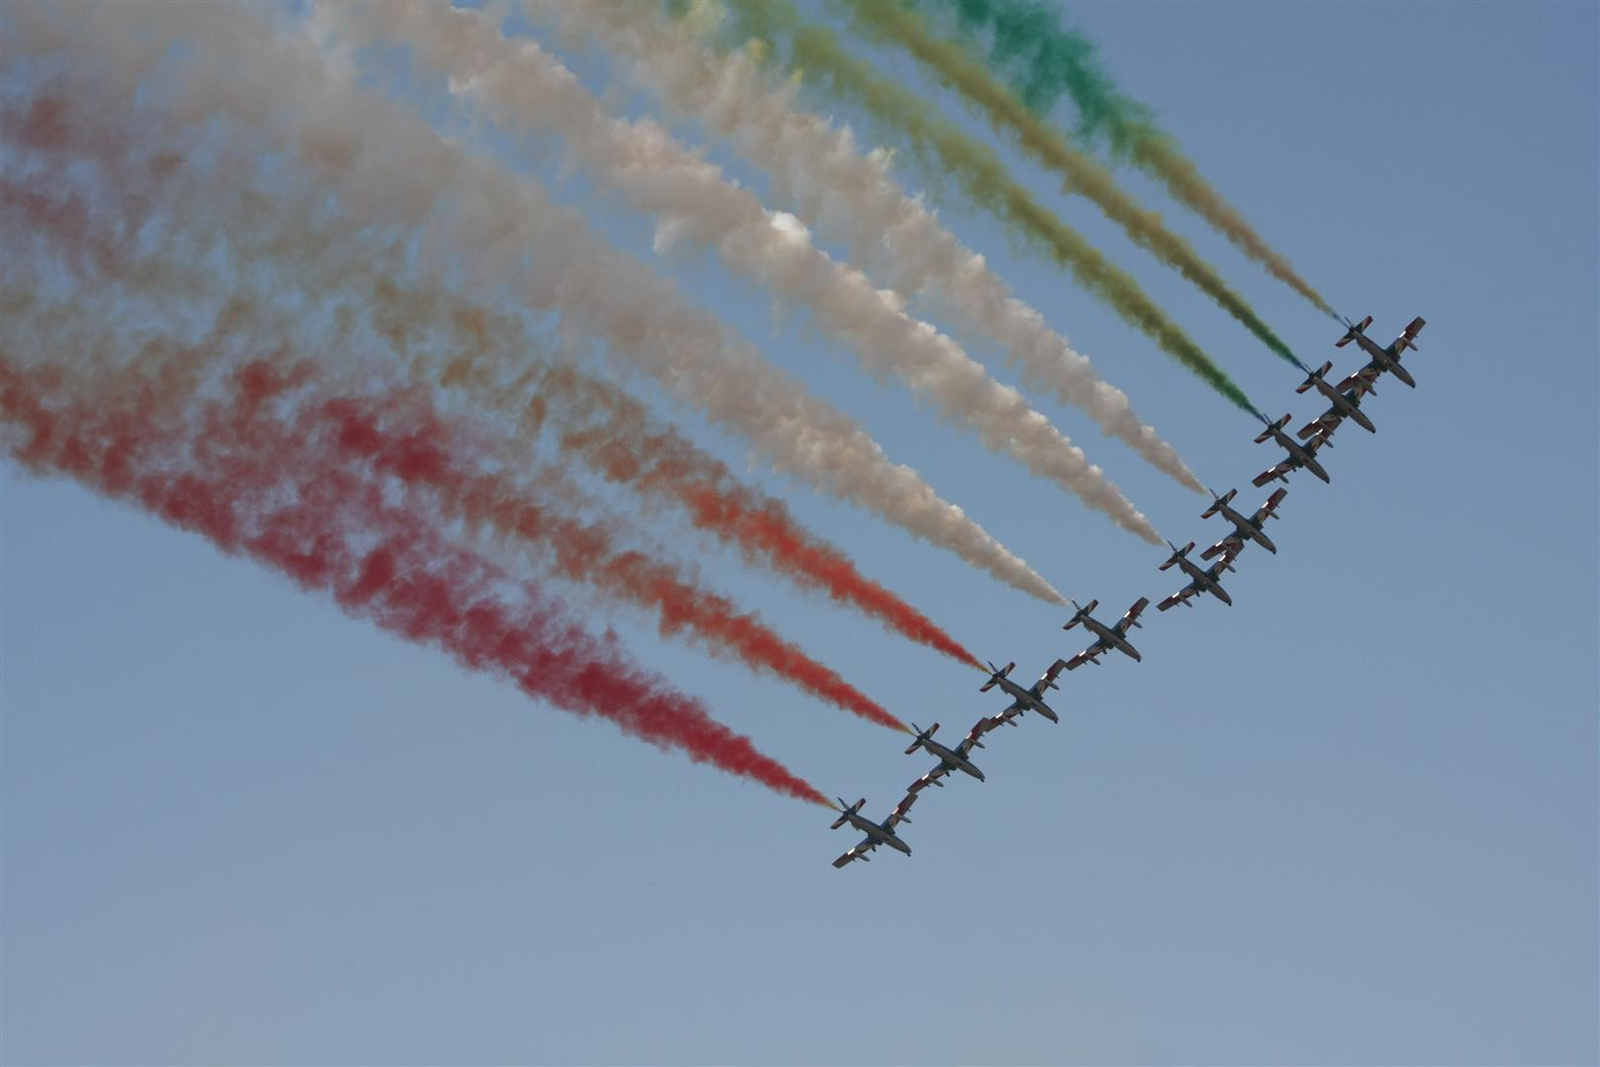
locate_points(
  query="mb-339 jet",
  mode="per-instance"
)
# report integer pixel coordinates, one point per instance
(1245, 529)
(1300, 455)
(1383, 359)
(1200, 581)
(950, 759)
(877, 833)
(1106, 637)
(1030, 699)
(1344, 400)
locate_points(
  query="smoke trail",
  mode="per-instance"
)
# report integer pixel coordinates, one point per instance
(415, 446)
(850, 196)
(597, 423)
(614, 436)
(524, 87)
(945, 150)
(279, 490)
(957, 71)
(385, 163)
(402, 435)
(1043, 60)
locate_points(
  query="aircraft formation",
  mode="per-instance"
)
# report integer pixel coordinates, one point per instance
(1301, 450)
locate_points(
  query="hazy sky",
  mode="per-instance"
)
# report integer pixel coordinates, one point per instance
(1351, 819)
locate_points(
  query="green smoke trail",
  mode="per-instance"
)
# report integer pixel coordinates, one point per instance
(893, 24)
(1042, 61)
(946, 151)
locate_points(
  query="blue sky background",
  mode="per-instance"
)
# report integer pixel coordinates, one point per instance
(1351, 819)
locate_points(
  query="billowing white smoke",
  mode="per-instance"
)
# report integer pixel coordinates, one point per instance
(523, 87)
(384, 161)
(850, 197)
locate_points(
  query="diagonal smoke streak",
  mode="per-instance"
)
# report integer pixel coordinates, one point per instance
(524, 87)
(959, 72)
(386, 164)
(851, 197)
(438, 334)
(943, 148)
(399, 434)
(277, 487)
(1043, 60)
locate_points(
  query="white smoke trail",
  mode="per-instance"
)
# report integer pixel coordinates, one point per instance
(386, 163)
(523, 87)
(850, 197)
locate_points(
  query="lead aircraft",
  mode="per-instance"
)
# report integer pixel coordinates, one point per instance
(1383, 359)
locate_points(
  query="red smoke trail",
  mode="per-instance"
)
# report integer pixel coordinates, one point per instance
(402, 435)
(616, 437)
(289, 496)
(599, 423)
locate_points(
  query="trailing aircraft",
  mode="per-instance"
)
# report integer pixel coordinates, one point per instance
(1106, 637)
(950, 759)
(1030, 699)
(1200, 581)
(877, 833)
(1344, 401)
(1245, 529)
(1300, 455)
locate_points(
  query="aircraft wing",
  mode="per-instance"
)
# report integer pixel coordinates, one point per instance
(1047, 680)
(1270, 473)
(971, 739)
(1006, 718)
(1260, 517)
(1178, 598)
(1323, 424)
(1232, 545)
(1088, 655)
(1363, 380)
(899, 811)
(1413, 328)
(857, 853)
(931, 778)
(1132, 615)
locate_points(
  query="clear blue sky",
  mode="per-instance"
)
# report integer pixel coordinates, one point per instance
(1351, 819)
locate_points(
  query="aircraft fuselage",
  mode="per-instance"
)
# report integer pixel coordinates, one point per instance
(1109, 638)
(1025, 697)
(1385, 358)
(1203, 580)
(1247, 529)
(952, 759)
(1300, 454)
(877, 833)
(1345, 405)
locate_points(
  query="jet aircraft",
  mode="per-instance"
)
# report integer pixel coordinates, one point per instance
(1030, 699)
(1106, 637)
(950, 759)
(1300, 455)
(1383, 359)
(1344, 401)
(1244, 529)
(1201, 581)
(877, 833)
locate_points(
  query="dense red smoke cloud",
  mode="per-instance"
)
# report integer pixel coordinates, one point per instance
(261, 473)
